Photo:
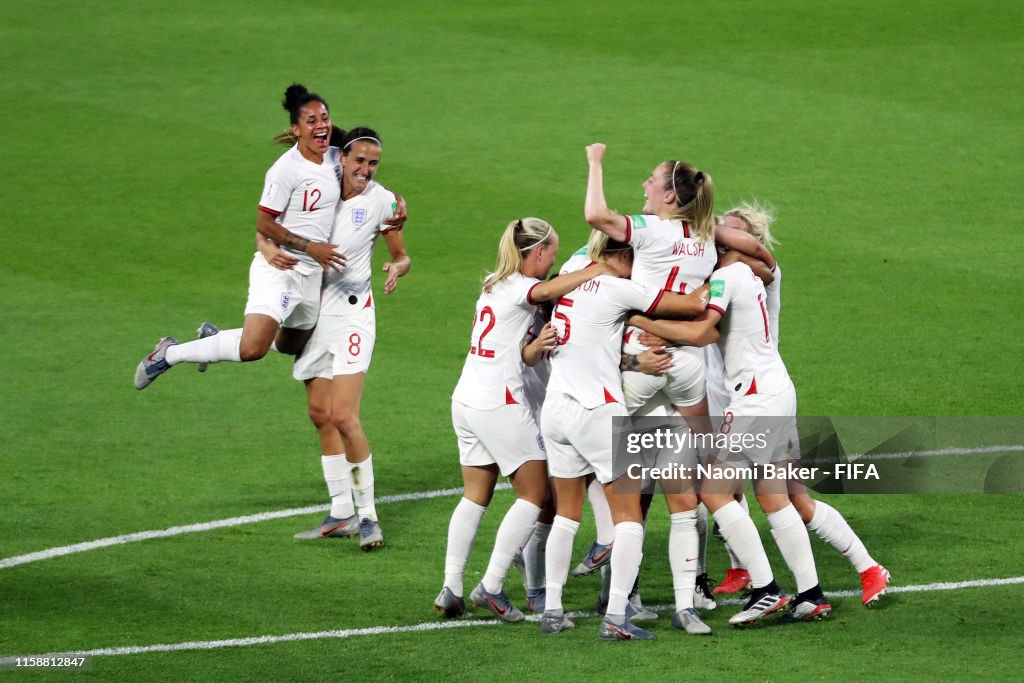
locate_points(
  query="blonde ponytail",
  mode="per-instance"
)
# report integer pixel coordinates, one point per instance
(520, 237)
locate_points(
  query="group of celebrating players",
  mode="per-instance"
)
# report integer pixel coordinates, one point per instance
(541, 387)
(671, 312)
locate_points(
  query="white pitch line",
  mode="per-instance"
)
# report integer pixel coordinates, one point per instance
(440, 625)
(1016, 448)
(16, 560)
(60, 551)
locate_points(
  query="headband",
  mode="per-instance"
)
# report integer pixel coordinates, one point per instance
(365, 137)
(542, 240)
(698, 178)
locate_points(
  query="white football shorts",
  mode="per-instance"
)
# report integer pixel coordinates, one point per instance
(768, 420)
(683, 385)
(290, 297)
(505, 436)
(340, 345)
(579, 440)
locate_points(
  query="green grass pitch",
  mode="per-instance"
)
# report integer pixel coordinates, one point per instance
(887, 135)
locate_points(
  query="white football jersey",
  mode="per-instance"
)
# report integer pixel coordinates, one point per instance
(752, 361)
(302, 196)
(718, 397)
(668, 255)
(358, 222)
(589, 322)
(578, 261)
(492, 375)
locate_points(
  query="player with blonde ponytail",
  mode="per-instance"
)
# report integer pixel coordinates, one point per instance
(497, 433)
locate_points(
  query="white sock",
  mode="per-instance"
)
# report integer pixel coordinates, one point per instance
(833, 528)
(795, 545)
(558, 554)
(534, 556)
(362, 488)
(339, 486)
(702, 538)
(461, 534)
(683, 541)
(739, 532)
(734, 561)
(214, 349)
(602, 513)
(627, 553)
(513, 533)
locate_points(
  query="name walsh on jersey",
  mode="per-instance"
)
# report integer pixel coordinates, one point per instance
(688, 248)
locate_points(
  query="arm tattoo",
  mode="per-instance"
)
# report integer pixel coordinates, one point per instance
(629, 362)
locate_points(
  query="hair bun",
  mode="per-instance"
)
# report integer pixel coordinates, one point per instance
(292, 95)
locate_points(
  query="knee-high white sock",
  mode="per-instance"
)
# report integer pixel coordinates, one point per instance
(739, 532)
(795, 545)
(461, 534)
(534, 556)
(602, 513)
(833, 528)
(237, 332)
(683, 541)
(339, 486)
(627, 553)
(558, 555)
(702, 538)
(362, 488)
(735, 561)
(221, 346)
(513, 533)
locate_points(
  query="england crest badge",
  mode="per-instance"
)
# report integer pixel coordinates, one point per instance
(358, 217)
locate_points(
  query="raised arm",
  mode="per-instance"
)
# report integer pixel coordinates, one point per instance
(745, 243)
(595, 208)
(563, 284)
(400, 262)
(322, 253)
(700, 331)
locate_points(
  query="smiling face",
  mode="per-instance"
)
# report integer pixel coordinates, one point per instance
(313, 130)
(656, 198)
(358, 164)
